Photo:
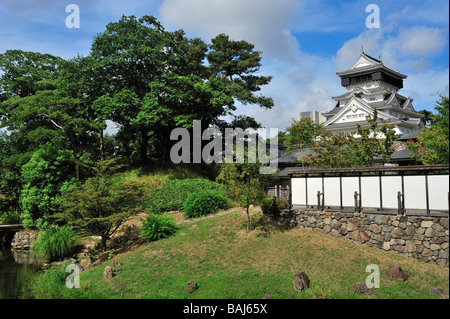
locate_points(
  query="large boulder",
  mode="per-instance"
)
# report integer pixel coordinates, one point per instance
(301, 281)
(397, 273)
(361, 288)
(191, 286)
(108, 272)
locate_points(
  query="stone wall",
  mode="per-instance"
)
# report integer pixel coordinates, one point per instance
(283, 193)
(23, 239)
(423, 238)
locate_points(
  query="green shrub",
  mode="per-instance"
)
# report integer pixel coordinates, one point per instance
(268, 206)
(156, 227)
(9, 218)
(47, 171)
(205, 202)
(171, 195)
(55, 243)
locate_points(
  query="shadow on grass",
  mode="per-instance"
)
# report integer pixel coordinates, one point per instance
(266, 225)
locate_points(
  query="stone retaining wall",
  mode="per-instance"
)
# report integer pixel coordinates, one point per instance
(423, 238)
(23, 239)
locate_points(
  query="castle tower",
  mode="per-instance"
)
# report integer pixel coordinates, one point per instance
(371, 85)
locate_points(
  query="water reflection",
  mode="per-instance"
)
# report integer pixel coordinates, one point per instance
(17, 268)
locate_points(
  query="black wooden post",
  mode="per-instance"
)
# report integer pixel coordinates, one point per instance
(306, 189)
(323, 192)
(400, 200)
(340, 189)
(403, 192)
(360, 192)
(318, 200)
(380, 181)
(427, 198)
(357, 202)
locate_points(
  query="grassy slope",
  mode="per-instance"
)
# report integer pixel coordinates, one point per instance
(228, 262)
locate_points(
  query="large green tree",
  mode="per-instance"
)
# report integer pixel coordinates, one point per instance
(101, 204)
(302, 134)
(375, 140)
(23, 76)
(156, 81)
(237, 62)
(432, 146)
(345, 150)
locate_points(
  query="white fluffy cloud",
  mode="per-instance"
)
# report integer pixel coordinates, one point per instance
(301, 82)
(261, 22)
(418, 41)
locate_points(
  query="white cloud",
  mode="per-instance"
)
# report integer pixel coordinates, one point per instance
(418, 41)
(261, 22)
(369, 39)
(300, 82)
(424, 87)
(305, 85)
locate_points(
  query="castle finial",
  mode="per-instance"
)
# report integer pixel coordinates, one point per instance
(362, 49)
(379, 58)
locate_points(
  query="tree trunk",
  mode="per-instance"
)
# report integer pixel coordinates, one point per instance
(248, 218)
(102, 151)
(104, 240)
(77, 167)
(144, 146)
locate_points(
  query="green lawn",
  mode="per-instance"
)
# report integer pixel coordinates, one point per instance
(227, 262)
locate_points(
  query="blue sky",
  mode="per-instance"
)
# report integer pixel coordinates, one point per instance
(304, 42)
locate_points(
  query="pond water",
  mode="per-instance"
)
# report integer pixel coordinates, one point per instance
(17, 269)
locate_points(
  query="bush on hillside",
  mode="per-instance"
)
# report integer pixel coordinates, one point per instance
(156, 227)
(55, 243)
(205, 202)
(269, 207)
(171, 195)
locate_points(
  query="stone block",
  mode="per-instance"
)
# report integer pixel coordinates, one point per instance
(410, 231)
(312, 220)
(336, 224)
(381, 219)
(443, 254)
(354, 235)
(403, 219)
(430, 232)
(397, 233)
(442, 263)
(335, 233)
(410, 247)
(399, 248)
(375, 228)
(444, 222)
(377, 237)
(364, 236)
(351, 227)
(426, 223)
(434, 247)
(426, 252)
